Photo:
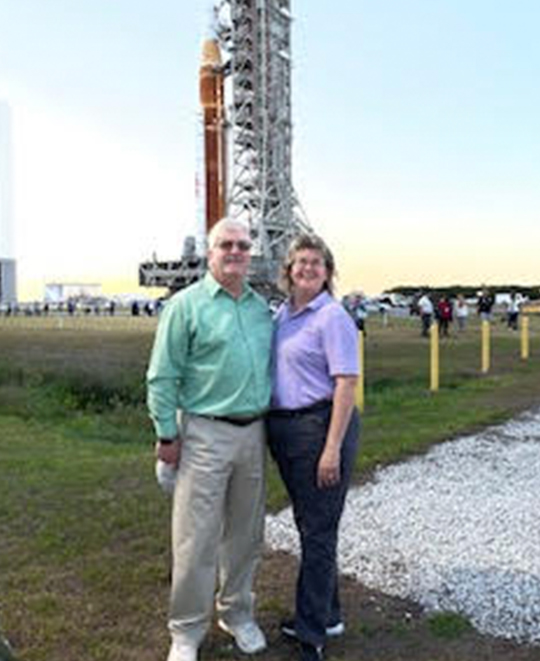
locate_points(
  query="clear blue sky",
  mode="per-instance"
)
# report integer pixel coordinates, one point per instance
(416, 125)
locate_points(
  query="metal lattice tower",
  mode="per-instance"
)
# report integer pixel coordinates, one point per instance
(256, 36)
(255, 40)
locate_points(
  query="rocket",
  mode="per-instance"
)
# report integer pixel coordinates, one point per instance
(211, 83)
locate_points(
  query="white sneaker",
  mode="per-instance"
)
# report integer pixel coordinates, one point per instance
(182, 650)
(248, 636)
(335, 630)
(288, 628)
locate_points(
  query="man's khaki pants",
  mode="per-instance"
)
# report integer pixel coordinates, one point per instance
(217, 524)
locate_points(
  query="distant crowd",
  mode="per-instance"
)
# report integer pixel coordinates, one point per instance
(429, 306)
(444, 310)
(74, 307)
(440, 308)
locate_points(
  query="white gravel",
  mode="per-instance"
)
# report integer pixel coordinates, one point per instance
(456, 530)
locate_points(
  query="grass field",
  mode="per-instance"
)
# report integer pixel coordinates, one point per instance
(84, 531)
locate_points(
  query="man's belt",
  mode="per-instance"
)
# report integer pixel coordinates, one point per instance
(237, 422)
(321, 405)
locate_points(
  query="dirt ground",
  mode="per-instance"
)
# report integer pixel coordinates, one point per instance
(379, 628)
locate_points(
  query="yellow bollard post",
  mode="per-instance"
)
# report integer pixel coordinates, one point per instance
(525, 338)
(362, 376)
(486, 353)
(434, 362)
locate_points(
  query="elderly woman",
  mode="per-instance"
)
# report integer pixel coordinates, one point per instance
(313, 430)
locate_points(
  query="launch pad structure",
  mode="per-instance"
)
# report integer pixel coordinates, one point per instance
(255, 129)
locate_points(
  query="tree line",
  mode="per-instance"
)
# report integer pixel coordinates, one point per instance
(468, 291)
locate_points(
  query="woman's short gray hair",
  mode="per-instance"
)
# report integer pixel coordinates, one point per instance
(307, 242)
(223, 225)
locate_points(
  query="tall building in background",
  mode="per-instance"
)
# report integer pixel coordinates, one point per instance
(8, 286)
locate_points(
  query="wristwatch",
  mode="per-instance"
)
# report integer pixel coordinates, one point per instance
(167, 441)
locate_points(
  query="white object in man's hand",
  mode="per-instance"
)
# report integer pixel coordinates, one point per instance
(166, 476)
(168, 458)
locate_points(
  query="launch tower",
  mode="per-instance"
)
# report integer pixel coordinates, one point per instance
(254, 37)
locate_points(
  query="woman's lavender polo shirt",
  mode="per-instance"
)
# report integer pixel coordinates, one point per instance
(310, 348)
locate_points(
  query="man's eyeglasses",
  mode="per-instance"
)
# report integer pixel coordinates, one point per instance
(227, 245)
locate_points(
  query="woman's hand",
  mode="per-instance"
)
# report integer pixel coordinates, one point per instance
(328, 470)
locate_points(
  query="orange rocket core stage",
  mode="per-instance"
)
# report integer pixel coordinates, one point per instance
(213, 104)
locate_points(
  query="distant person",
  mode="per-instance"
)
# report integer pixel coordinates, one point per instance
(313, 431)
(211, 359)
(444, 315)
(111, 308)
(513, 311)
(383, 311)
(135, 310)
(356, 306)
(426, 311)
(486, 302)
(461, 311)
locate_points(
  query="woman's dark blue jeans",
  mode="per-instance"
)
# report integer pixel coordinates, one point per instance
(296, 443)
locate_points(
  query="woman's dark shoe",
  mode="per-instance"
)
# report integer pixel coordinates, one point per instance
(310, 652)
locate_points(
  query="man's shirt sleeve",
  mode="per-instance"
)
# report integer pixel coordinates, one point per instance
(164, 376)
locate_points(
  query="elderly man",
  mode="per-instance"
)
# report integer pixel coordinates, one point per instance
(210, 362)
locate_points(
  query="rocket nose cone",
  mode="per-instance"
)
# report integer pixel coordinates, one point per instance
(211, 55)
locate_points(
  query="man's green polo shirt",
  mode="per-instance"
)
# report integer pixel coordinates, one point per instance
(211, 356)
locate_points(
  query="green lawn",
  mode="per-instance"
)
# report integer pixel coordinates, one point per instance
(84, 530)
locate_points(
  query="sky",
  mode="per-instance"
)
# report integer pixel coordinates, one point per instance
(416, 137)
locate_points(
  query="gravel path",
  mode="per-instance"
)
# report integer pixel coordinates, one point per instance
(456, 530)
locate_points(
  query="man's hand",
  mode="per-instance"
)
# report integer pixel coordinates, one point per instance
(169, 451)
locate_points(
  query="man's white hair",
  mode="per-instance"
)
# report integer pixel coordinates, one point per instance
(223, 225)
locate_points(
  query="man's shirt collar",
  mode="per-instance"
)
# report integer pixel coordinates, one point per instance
(214, 287)
(315, 304)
